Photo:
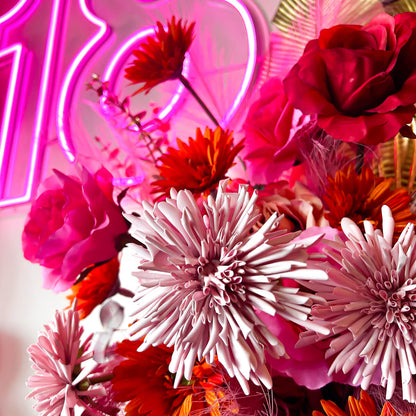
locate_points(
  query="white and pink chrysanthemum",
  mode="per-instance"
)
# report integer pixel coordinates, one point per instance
(371, 305)
(204, 273)
(57, 359)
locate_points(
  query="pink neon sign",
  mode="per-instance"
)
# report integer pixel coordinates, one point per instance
(17, 91)
(54, 91)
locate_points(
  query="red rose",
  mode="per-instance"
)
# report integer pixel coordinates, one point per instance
(72, 225)
(360, 81)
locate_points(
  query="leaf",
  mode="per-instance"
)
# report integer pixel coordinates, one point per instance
(299, 21)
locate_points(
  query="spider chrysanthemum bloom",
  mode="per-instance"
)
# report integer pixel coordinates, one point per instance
(199, 164)
(160, 57)
(360, 196)
(365, 406)
(57, 359)
(202, 275)
(371, 300)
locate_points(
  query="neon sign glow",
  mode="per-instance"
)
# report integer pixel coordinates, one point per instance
(57, 103)
(13, 17)
(67, 89)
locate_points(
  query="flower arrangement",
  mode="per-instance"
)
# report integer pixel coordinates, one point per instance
(284, 287)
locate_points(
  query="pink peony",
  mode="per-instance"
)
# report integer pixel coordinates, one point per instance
(72, 224)
(270, 127)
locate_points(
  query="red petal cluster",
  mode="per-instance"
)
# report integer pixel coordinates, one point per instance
(161, 57)
(198, 165)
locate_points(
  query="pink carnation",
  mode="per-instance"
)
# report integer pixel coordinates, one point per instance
(72, 224)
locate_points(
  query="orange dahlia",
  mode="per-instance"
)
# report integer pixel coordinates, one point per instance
(363, 407)
(360, 196)
(198, 165)
(97, 286)
(161, 57)
(144, 381)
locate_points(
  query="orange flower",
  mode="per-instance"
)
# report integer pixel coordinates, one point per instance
(363, 407)
(198, 165)
(144, 381)
(97, 286)
(161, 57)
(361, 196)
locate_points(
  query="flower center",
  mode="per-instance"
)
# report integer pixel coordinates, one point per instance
(394, 306)
(222, 280)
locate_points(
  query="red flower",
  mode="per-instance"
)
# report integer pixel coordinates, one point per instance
(144, 381)
(161, 57)
(198, 165)
(363, 407)
(359, 81)
(95, 287)
(361, 196)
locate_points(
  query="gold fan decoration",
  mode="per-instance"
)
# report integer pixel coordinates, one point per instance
(311, 16)
(397, 159)
(399, 6)
(299, 21)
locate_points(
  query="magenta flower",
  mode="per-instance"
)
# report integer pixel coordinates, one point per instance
(204, 273)
(271, 142)
(72, 224)
(370, 308)
(57, 359)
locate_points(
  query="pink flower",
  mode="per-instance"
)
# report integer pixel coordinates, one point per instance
(57, 360)
(369, 306)
(204, 273)
(307, 365)
(270, 141)
(72, 224)
(360, 81)
(301, 208)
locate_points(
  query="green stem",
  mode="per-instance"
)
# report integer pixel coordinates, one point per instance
(188, 86)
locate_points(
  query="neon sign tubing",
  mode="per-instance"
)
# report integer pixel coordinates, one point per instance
(67, 88)
(43, 98)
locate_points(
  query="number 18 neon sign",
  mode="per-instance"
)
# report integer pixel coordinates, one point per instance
(36, 101)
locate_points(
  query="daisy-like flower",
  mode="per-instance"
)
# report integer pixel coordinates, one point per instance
(371, 300)
(198, 165)
(143, 380)
(202, 275)
(100, 283)
(160, 58)
(57, 357)
(365, 406)
(361, 196)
